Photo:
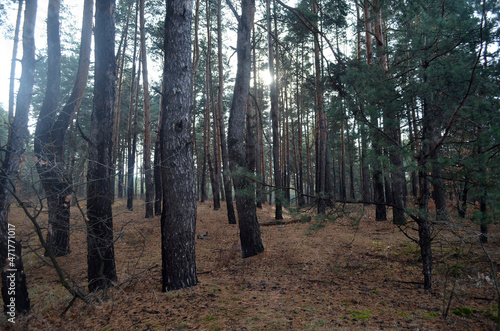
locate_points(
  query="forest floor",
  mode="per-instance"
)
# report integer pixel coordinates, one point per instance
(344, 273)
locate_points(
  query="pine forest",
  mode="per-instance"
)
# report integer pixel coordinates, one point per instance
(250, 165)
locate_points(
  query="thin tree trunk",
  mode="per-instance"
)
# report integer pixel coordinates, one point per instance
(258, 163)
(147, 121)
(47, 167)
(196, 62)
(178, 220)
(14, 62)
(251, 242)
(413, 144)
(228, 188)
(11, 263)
(301, 199)
(274, 117)
(116, 129)
(212, 167)
(342, 175)
(100, 257)
(51, 140)
(321, 132)
(424, 229)
(131, 119)
(378, 182)
(157, 176)
(157, 164)
(351, 165)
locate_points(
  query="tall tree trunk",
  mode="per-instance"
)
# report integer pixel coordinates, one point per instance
(286, 150)
(424, 227)
(11, 263)
(147, 121)
(157, 176)
(321, 128)
(413, 148)
(228, 188)
(157, 164)
(50, 142)
(178, 220)
(47, 167)
(301, 200)
(364, 169)
(101, 257)
(483, 237)
(14, 62)
(212, 166)
(258, 163)
(196, 62)
(131, 148)
(274, 117)
(116, 129)
(378, 181)
(351, 165)
(342, 175)
(251, 242)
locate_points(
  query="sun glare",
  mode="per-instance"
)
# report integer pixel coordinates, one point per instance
(266, 77)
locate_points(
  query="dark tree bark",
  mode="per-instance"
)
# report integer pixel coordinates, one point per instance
(157, 167)
(226, 173)
(100, 256)
(196, 62)
(116, 129)
(47, 167)
(132, 123)
(395, 193)
(10, 249)
(413, 147)
(251, 242)
(274, 117)
(178, 220)
(300, 158)
(322, 189)
(365, 171)
(50, 138)
(147, 120)
(439, 193)
(424, 227)
(342, 161)
(378, 179)
(213, 167)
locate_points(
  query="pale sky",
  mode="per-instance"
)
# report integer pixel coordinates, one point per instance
(6, 43)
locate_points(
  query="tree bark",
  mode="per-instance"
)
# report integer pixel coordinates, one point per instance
(100, 257)
(116, 129)
(157, 164)
(132, 123)
(274, 117)
(424, 228)
(14, 62)
(178, 220)
(147, 120)
(226, 173)
(212, 166)
(251, 242)
(10, 249)
(157, 176)
(50, 141)
(47, 167)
